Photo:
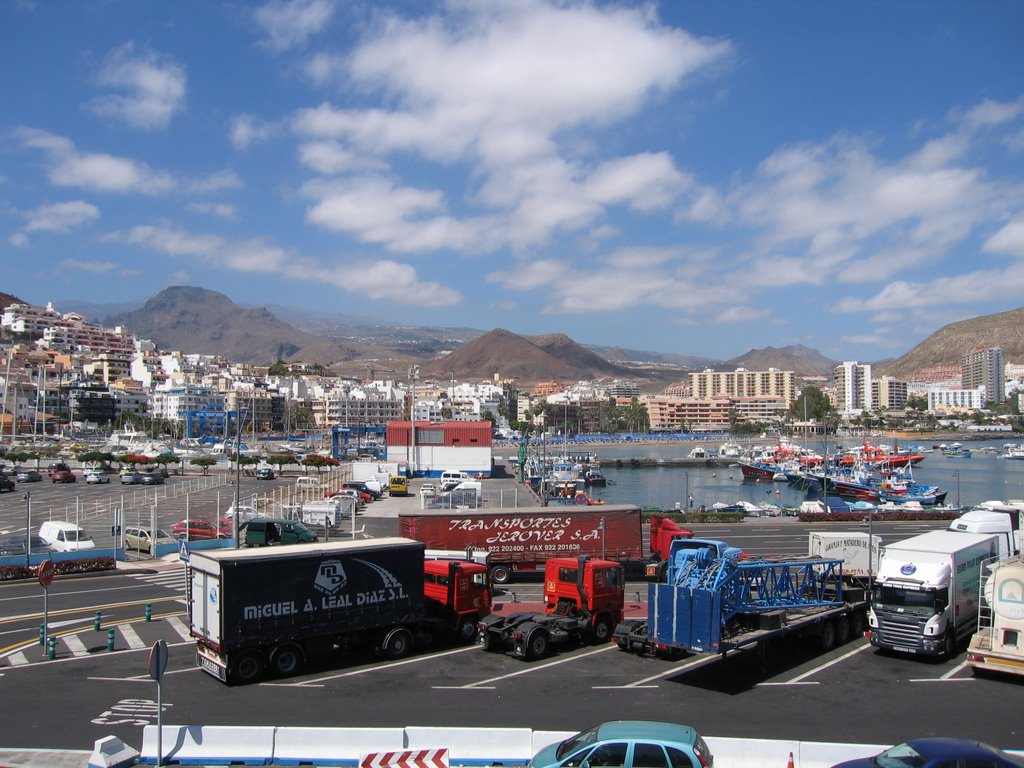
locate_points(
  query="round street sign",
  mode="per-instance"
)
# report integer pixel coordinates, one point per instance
(158, 659)
(45, 573)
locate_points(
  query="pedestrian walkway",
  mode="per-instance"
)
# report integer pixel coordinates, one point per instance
(172, 578)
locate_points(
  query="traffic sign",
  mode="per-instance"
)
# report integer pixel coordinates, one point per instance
(183, 551)
(420, 758)
(45, 573)
(158, 659)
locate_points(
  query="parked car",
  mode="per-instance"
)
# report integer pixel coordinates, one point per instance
(15, 545)
(141, 538)
(65, 536)
(227, 527)
(6, 484)
(359, 485)
(28, 476)
(61, 473)
(361, 498)
(935, 752)
(153, 478)
(629, 743)
(131, 477)
(96, 476)
(427, 489)
(195, 530)
(265, 473)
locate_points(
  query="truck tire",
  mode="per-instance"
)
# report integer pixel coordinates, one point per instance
(537, 644)
(842, 629)
(948, 645)
(248, 668)
(827, 638)
(500, 574)
(602, 630)
(466, 633)
(397, 644)
(286, 661)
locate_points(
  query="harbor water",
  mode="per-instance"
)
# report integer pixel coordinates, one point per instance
(984, 476)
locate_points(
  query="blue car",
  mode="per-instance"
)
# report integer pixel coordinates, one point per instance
(938, 753)
(629, 744)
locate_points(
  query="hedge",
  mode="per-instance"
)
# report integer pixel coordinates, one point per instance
(62, 568)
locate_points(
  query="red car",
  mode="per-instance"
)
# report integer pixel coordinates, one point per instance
(227, 527)
(195, 530)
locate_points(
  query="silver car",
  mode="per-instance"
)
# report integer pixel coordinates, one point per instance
(140, 538)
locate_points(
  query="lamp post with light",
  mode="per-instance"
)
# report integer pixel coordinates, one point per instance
(957, 476)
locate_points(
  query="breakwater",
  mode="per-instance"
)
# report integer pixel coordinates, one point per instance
(642, 462)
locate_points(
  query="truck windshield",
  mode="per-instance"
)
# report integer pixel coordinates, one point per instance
(913, 600)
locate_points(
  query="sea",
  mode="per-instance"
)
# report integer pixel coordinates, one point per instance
(984, 476)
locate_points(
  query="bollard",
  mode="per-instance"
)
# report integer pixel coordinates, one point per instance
(149, 611)
(96, 623)
(42, 635)
(110, 639)
(51, 650)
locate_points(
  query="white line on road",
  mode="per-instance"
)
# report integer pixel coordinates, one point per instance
(376, 668)
(131, 636)
(75, 645)
(538, 668)
(178, 626)
(797, 680)
(17, 658)
(675, 669)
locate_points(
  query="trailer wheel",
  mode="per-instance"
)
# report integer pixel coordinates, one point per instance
(397, 644)
(537, 644)
(466, 633)
(500, 574)
(248, 668)
(286, 661)
(842, 629)
(827, 639)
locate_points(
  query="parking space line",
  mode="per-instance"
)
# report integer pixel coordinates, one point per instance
(946, 678)
(539, 667)
(674, 669)
(314, 683)
(799, 678)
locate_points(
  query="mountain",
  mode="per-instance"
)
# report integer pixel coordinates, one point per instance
(802, 360)
(200, 321)
(947, 346)
(6, 300)
(527, 359)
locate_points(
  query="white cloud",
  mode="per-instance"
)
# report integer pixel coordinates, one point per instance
(1009, 240)
(644, 182)
(61, 217)
(386, 279)
(246, 130)
(290, 23)
(330, 157)
(97, 267)
(222, 210)
(18, 240)
(154, 87)
(214, 182)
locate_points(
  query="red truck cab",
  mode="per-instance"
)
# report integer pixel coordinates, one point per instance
(585, 586)
(460, 592)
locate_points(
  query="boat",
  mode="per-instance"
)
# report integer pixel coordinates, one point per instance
(1014, 453)
(594, 479)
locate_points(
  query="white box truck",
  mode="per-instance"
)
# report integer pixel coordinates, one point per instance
(998, 645)
(1001, 520)
(925, 599)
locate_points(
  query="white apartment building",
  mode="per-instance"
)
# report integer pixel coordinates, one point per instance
(853, 388)
(940, 399)
(773, 383)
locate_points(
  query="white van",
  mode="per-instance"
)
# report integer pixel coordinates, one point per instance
(306, 481)
(63, 536)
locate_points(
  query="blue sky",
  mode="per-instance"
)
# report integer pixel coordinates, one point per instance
(690, 177)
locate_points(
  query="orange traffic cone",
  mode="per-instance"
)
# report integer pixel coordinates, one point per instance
(790, 763)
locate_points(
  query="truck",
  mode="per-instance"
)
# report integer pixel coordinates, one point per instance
(583, 601)
(860, 559)
(710, 603)
(998, 644)
(925, 597)
(333, 512)
(522, 541)
(1002, 520)
(273, 609)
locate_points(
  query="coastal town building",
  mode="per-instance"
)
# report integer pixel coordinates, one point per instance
(853, 388)
(983, 367)
(741, 383)
(942, 400)
(889, 393)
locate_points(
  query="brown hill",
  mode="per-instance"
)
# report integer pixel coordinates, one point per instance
(200, 321)
(526, 359)
(946, 347)
(802, 360)
(6, 300)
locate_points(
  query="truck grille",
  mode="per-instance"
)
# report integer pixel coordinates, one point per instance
(900, 631)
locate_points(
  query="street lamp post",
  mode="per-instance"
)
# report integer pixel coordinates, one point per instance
(957, 476)
(28, 526)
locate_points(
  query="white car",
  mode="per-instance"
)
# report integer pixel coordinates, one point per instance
(96, 476)
(427, 489)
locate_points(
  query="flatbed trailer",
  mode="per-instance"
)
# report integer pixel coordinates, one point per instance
(720, 606)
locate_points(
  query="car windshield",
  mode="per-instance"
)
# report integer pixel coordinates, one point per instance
(577, 742)
(900, 756)
(162, 534)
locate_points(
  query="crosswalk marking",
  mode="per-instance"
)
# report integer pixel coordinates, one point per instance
(131, 636)
(17, 658)
(171, 579)
(179, 626)
(76, 646)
